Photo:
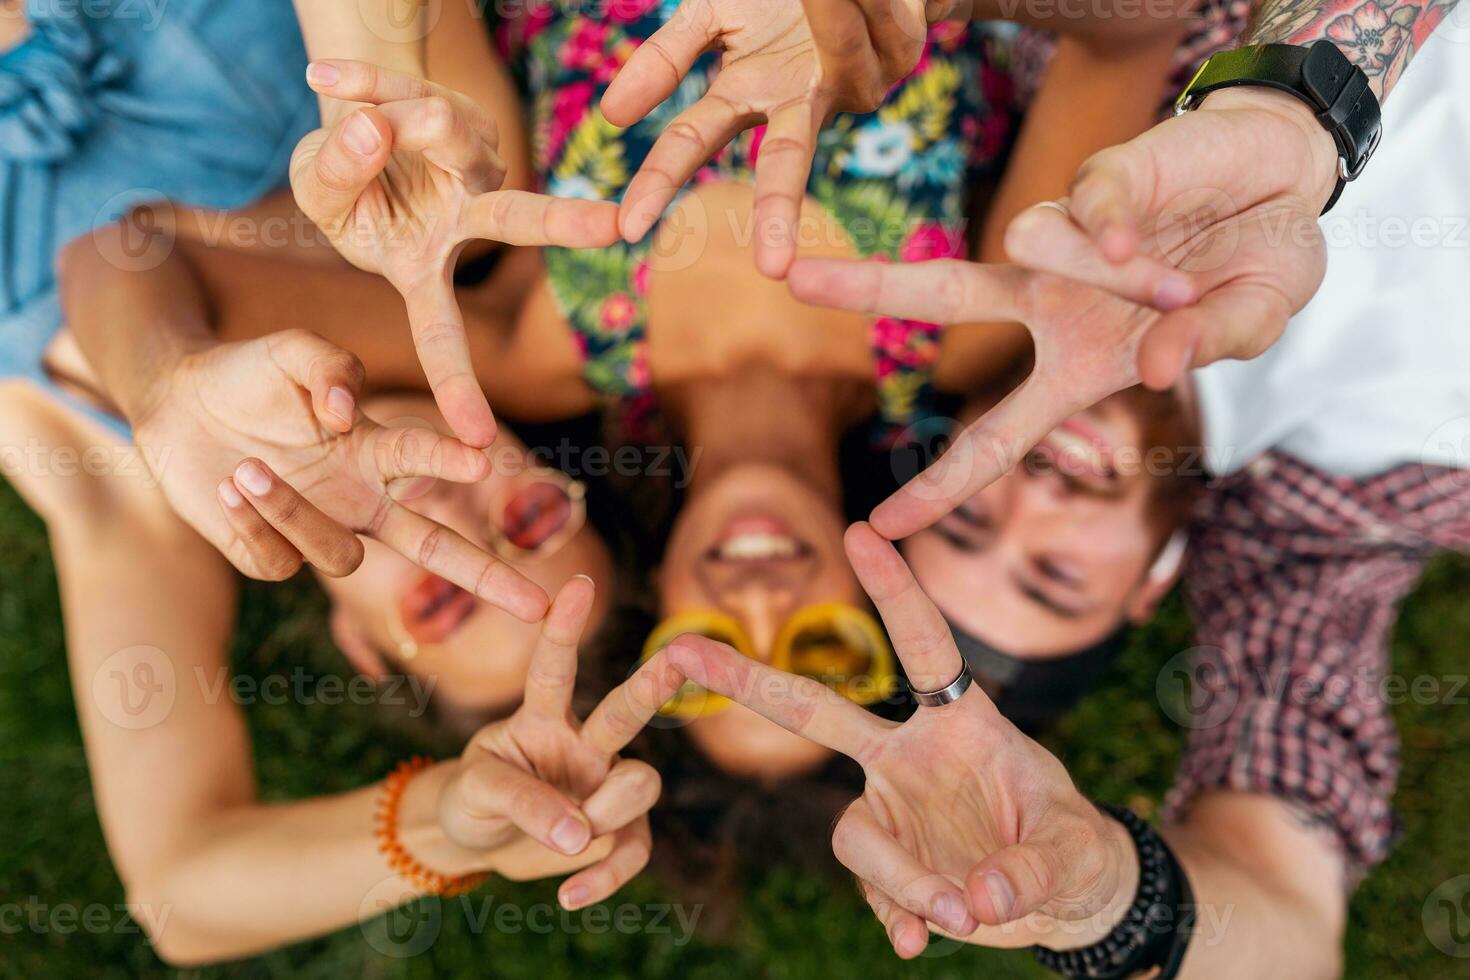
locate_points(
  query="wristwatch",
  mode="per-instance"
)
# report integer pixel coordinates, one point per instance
(1321, 76)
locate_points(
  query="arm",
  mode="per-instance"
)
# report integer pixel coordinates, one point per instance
(388, 32)
(1088, 100)
(1379, 36)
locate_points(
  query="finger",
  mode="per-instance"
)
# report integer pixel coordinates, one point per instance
(435, 548)
(1044, 239)
(330, 171)
(921, 638)
(876, 858)
(1012, 883)
(688, 143)
(631, 847)
(628, 708)
(943, 291)
(404, 451)
(444, 352)
(781, 174)
(986, 450)
(629, 791)
(322, 542)
(906, 932)
(267, 555)
(361, 81)
(800, 705)
(552, 674)
(527, 219)
(490, 791)
(1239, 320)
(1105, 199)
(659, 64)
(332, 375)
(438, 128)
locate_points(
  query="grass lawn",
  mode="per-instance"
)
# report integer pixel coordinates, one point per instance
(59, 896)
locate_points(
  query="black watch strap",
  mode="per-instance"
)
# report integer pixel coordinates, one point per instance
(1321, 76)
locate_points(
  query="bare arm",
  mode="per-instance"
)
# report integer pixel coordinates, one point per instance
(1268, 885)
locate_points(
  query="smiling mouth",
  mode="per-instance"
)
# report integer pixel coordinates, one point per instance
(434, 608)
(756, 539)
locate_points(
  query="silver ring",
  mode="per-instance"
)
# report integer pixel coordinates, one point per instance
(949, 693)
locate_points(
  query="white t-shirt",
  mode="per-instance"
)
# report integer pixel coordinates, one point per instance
(1375, 372)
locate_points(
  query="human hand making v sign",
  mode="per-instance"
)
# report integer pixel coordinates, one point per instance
(401, 185)
(964, 822)
(773, 70)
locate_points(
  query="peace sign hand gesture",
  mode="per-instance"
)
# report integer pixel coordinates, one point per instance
(401, 185)
(771, 71)
(546, 794)
(964, 823)
(1086, 343)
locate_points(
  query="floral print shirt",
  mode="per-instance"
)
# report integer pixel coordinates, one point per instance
(895, 179)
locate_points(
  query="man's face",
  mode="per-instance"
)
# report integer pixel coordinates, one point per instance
(1050, 558)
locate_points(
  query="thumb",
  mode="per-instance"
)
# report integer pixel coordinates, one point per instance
(1012, 883)
(332, 375)
(330, 170)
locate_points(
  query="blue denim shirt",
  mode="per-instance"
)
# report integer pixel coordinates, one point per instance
(109, 103)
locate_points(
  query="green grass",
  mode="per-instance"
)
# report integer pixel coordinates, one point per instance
(1119, 746)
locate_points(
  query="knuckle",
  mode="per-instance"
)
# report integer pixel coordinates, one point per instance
(430, 545)
(438, 116)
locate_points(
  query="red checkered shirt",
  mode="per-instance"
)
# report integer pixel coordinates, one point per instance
(1295, 580)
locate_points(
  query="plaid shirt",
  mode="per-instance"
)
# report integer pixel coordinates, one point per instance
(1294, 580)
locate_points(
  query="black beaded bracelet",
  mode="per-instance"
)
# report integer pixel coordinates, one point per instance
(1154, 932)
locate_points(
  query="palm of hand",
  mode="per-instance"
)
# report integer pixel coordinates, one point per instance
(770, 59)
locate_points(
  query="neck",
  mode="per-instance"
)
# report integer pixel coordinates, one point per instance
(764, 416)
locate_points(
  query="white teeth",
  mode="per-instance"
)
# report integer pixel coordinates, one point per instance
(757, 546)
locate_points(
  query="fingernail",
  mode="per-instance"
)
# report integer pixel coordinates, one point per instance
(339, 403)
(575, 897)
(949, 911)
(1002, 897)
(361, 136)
(1173, 292)
(253, 479)
(322, 74)
(230, 495)
(569, 836)
(585, 578)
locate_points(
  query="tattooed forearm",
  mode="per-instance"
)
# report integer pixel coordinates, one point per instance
(1379, 36)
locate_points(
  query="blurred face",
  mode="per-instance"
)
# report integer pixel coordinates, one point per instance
(1051, 557)
(475, 653)
(758, 545)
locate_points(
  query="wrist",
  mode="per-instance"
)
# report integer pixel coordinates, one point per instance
(148, 380)
(421, 833)
(1317, 156)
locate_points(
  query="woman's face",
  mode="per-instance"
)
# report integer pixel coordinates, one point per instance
(757, 544)
(474, 653)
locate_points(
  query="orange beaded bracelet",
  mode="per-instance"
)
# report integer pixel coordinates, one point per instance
(404, 863)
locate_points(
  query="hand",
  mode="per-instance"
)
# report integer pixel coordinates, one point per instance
(1211, 217)
(546, 794)
(400, 186)
(1086, 343)
(964, 822)
(776, 67)
(314, 471)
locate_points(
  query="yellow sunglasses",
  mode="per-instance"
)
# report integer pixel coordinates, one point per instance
(839, 645)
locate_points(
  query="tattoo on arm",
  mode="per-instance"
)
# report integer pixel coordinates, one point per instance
(1379, 36)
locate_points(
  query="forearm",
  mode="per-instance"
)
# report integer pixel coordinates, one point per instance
(1379, 36)
(264, 876)
(131, 324)
(387, 33)
(1113, 22)
(1267, 887)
